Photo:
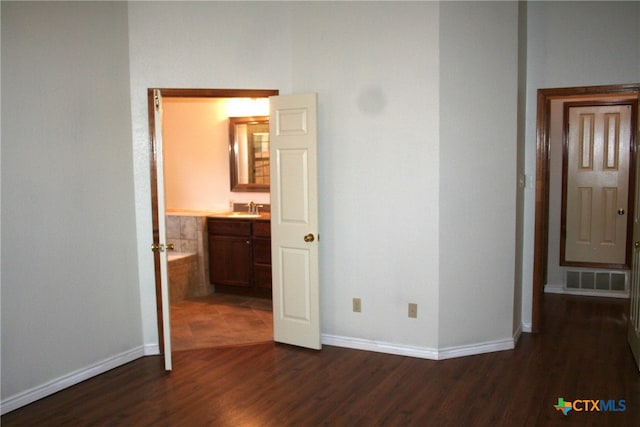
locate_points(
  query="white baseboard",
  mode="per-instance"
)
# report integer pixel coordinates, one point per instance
(420, 352)
(380, 347)
(151, 349)
(53, 386)
(480, 348)
(516, 335)
(559, 289)
(526, 327)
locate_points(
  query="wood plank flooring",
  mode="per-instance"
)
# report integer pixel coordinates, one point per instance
(581, 354)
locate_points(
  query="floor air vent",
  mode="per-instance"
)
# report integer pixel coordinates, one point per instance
(608, 281)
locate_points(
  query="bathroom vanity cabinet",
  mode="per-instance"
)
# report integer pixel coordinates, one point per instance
(240, 255)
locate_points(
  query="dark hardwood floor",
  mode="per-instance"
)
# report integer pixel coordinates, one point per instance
(581, 354)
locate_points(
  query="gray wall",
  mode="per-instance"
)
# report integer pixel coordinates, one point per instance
(70, 297)
(478, 153)
(378, 164)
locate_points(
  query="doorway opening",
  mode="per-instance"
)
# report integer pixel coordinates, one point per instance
(227, 305)
(628, 92)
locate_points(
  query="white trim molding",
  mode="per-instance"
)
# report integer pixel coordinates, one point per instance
(53, 386)
(151, 349)
(380, 347)
(420, 352)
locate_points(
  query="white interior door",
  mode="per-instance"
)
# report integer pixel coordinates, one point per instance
(598, 159)
(162, 231)
(294, 220)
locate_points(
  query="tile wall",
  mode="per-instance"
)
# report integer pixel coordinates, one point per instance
(188, 234)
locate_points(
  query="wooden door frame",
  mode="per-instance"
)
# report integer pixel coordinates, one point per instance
(541, 232)
(153, 160)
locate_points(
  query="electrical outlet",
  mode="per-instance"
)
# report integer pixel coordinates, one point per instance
(413, 310)
(357, 305)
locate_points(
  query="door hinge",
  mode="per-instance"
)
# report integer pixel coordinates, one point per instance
(156, 100)
(155, 247)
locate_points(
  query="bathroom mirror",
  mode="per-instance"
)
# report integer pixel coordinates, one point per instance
(249, 153)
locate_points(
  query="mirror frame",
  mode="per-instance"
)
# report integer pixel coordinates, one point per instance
(233, 156)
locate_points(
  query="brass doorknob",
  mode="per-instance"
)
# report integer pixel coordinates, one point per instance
(620, 211)
(637, 244)
(309, 237)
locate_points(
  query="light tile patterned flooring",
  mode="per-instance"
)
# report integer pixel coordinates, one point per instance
(220, 320)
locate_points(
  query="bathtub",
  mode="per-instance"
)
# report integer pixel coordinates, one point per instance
(174, 256)
(183, 275)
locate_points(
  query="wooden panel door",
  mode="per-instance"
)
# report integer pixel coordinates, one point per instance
(596, 177)
(294, 220)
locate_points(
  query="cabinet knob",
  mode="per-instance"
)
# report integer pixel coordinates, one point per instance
(309, 237)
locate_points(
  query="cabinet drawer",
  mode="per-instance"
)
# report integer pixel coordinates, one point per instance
(229, 227)
(262, 228)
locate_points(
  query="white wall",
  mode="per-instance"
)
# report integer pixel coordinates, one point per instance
(375, 68)
(478, 154)
(520, 172)
(70, 298)
(196, 156)
(573, 44)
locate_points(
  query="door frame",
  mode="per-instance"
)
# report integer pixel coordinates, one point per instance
(153, 163)
(541, 232)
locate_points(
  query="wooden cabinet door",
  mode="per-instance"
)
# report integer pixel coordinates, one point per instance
(230, 260)
(262, 262)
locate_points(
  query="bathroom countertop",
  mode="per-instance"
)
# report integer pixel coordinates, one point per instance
(229, 214)
(188, 212)
(216, 214)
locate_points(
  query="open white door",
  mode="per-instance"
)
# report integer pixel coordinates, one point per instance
(162, 230)
(294, 220)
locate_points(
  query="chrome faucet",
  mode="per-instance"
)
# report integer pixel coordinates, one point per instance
(251, 207)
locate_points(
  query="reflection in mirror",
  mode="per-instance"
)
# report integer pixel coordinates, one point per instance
(249, 153)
